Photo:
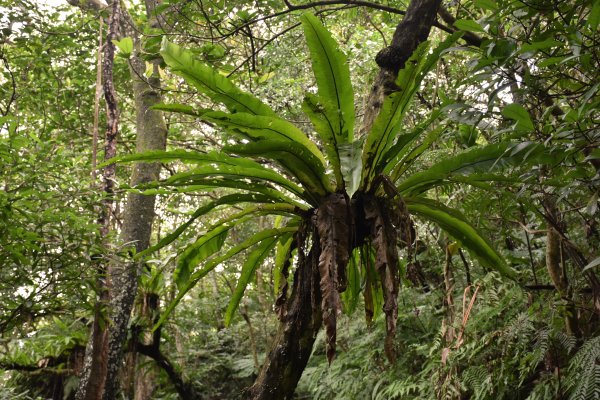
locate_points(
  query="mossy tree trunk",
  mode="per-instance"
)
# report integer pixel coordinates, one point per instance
(293, 344)
(100, 381)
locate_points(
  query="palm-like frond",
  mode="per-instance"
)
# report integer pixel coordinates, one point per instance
(332, 109)
(457, 226)
(210, 82)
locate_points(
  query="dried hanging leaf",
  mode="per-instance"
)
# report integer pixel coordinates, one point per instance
(334, 239)
(298, 243)
(383, 238)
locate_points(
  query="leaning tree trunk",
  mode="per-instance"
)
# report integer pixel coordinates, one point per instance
(410, 32)
(293, 344)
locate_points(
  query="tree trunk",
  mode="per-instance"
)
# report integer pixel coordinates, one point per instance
(293, 344)
(556, 269)
(138, 215)
(100, 381)
(93, 376)
(410, 32)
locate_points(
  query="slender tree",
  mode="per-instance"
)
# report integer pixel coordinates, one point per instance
(105, 352)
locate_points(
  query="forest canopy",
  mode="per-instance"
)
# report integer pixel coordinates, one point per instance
(336, 199)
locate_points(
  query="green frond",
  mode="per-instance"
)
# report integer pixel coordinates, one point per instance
(210, 82)
(253, 260)
(389, 121)
(257, 127)
(224, 172)
(282, 255)
(212, 240)
(332, 73)
(214, 262)
(476, 161)
(236, 198)
(455, 224)
(295, 158)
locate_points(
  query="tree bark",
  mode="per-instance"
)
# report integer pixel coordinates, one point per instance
(556, 269)
(146, 376)
(138, 215)
(100, 377)
(410, 32)
(293, 344)
(93, 377)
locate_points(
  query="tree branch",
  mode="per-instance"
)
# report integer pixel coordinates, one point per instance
(89, 5)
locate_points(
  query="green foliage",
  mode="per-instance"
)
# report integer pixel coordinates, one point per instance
(332, 109)
(584, 372)
(252, 262)
(455, 224)
(278, 140)
(495, 134)
(210, 82)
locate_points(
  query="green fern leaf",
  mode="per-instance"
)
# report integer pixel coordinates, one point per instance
(333, 78)
(252, 262)
(210, 82)
(456, 225)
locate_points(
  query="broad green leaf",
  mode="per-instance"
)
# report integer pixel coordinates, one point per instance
(282, 255)
(332, 73)
(237, 198)
(486, 4)
(294, 157)
(213, 158)
(409, 157)
(210, 82)
(224, 171)
(256, 127)
(212, 240)
(324, 123)
(196, 254)
(473, 161)
(594, 15)
(550, 61)
(592, 264)
(455, 224)
(468, 25)
(351, 164)
(372, 292)
(253, 260)
(519, 114)
(218, 169)
(389, 121)
(351, 295)
(125, 46)
(178, 108)
(545, 44)
(203, 184)
(212, 264)
(391, 159)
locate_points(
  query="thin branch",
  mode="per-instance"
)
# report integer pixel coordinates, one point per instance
(97, 102)
(13, 95)
(469, 37)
